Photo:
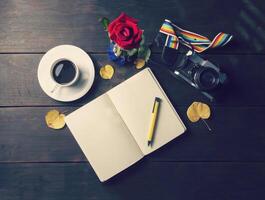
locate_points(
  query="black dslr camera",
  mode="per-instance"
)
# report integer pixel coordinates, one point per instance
(200, 73)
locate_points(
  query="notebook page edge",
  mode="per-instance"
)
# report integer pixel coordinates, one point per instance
(172, 107)
(166, 97)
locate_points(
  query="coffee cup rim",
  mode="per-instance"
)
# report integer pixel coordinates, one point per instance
(76, 70)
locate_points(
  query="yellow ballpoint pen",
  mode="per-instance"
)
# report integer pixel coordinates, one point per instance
(153, 121)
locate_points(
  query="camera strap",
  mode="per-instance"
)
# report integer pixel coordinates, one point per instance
(198, 43)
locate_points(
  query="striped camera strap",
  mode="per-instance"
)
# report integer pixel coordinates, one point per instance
(190, 39)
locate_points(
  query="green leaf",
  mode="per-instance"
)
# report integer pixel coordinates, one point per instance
(131, 52)
(142, 41)
(144, 52)
(141, 52)
(147, 54)
(105, 22)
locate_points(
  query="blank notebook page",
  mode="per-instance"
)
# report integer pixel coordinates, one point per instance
(103, 137)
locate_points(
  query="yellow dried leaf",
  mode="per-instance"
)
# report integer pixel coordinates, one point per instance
(203, 110)
(139, 63)
(106, 72)
(198, 110)
(192, 112)
(54, 119)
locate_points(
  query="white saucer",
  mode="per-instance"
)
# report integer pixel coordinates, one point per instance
(82, 61)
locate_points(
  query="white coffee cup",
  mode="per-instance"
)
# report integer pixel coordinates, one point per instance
(60, 64)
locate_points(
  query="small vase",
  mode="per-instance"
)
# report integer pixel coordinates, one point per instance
(119, 55)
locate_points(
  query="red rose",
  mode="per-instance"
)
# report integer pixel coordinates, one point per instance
(124, 31)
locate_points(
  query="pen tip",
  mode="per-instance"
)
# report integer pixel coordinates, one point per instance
(149, 143)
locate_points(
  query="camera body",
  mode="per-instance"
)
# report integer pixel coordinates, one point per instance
(191, 67)
(200, 73)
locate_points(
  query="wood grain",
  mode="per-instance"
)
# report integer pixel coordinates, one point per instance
(19, 85)
(39, 163)
(145, 180)
(36, 26)
(237, 136)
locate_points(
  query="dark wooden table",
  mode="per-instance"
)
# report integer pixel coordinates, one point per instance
(39, 163)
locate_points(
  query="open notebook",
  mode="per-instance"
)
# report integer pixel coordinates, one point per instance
(112, 129)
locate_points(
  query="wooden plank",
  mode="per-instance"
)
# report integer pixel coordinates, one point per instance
(19, 85)
(237, 136)
(36, 26)
(145, 180)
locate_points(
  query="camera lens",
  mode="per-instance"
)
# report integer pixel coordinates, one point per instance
(206, 78)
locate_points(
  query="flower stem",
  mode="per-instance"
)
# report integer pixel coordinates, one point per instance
(206, 124)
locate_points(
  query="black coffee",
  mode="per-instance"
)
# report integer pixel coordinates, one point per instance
(64, 72)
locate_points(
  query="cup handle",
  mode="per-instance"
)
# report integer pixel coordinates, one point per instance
(55, 88)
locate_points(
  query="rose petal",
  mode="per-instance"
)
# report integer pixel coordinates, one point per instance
(138, 37)
(124, 44)
(119, 19)
(133, 26)
(126, 32)
(123, 32)
(131, 42)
